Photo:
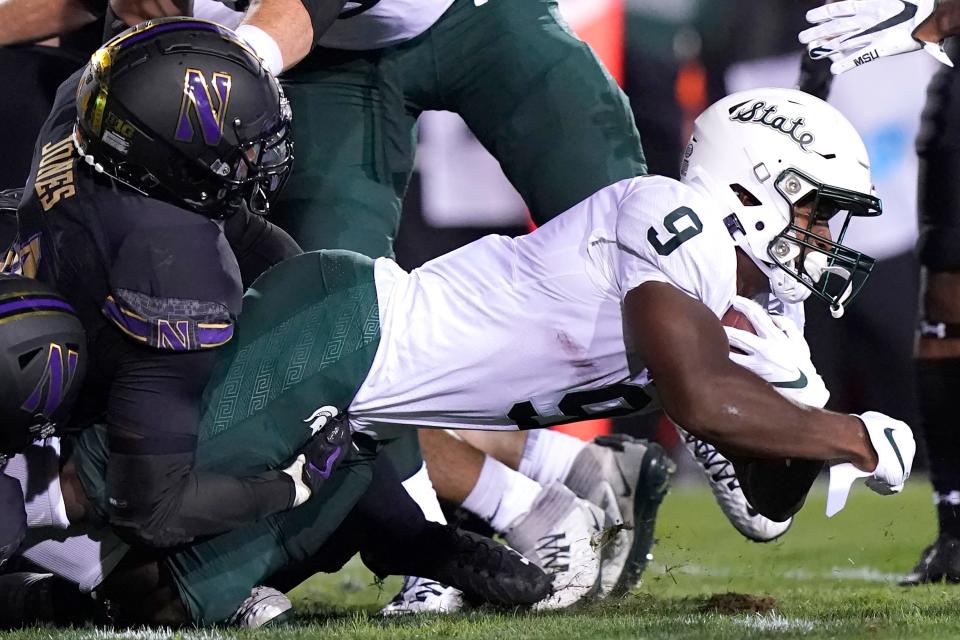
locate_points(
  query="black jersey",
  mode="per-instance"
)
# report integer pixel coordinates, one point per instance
(159, 275)
(157, 289)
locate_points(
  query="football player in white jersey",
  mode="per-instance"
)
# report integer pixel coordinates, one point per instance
(614, 306)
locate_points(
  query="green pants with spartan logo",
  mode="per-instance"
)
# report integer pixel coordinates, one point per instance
(307, 337)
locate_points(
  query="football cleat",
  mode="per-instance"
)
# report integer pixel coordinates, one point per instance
(485, 571)
(728, 494)
(628, 479)
(940, 562)
(420, 595)
(265, 606)
(561, 534)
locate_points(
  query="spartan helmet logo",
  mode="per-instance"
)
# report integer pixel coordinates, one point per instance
(203, 107)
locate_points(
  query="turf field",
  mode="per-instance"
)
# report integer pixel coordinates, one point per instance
(825, 579)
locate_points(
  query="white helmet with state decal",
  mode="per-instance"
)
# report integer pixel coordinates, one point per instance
(760, 152)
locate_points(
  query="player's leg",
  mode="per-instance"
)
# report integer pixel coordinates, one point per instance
(550, 525)
(626, 478)
(538, 98)
(354, 147)
(938, 354)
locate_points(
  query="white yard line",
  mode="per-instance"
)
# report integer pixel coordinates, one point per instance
(861, 574)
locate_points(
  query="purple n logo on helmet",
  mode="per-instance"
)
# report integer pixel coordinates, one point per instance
(56, 378)
(199, 101)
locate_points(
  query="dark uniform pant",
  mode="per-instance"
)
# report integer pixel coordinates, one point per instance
(534, 95)
(307, 337)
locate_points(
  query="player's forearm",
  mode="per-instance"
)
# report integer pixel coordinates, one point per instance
(135, 11)
(23, 21)
(742, 415)
(291, 25)
(943, 23)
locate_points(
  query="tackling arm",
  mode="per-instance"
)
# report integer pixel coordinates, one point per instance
(23, 21)
(281, 31)
(686, 350)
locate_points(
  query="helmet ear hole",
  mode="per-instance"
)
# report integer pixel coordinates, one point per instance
(26, 358)
(747, 199)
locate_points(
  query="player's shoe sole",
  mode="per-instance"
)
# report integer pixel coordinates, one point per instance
(650, 484)
(729, 495)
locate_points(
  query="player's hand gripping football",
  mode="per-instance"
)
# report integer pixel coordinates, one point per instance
(778, 353)
(854, 32)
(330, 445)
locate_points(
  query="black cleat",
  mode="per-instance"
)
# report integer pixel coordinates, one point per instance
(940, 562)
(487, 572)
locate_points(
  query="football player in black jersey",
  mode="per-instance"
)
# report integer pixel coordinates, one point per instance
(130, 174)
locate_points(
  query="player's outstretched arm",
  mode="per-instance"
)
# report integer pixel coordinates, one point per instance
(687, 352)
(282, 32)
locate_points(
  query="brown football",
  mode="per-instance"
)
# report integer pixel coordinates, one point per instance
(737, 320)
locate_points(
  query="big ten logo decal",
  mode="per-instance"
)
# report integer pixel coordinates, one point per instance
(58, 372)
(203, 107)
(55, 180)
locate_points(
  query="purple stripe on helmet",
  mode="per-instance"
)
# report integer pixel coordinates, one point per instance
(34, 304)
(168, 26)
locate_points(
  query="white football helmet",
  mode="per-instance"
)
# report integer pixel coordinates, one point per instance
(758, 153)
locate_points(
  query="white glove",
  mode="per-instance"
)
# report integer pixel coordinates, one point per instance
(778, 354)
(893, 441)
(894, 444)
(855, 32)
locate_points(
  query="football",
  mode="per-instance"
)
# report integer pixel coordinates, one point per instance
(737, 320)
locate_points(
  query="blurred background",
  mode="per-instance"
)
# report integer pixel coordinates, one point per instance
(673, 58)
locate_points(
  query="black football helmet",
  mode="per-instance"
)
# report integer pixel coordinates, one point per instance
(182, 110)
(42, 361)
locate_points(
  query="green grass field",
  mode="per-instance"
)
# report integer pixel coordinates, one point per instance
(827, 578)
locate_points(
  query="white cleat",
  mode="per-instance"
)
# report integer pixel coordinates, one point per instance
(561, 534)
(726, 490)
(628, 479)
(264, 606)
(420, 595)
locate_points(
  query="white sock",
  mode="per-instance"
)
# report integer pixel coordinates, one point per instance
(548, 455)
(501, 494)
(421, 490)
(38, 470)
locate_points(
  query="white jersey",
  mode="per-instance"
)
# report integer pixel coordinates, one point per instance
(511, 333)
(79, 554)
(374, 24)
